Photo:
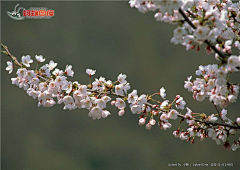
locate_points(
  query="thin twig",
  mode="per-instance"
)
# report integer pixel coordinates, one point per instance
(10, 55)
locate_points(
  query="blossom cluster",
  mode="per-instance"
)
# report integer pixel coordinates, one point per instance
(50, 86)
(214, 83)
(219, 134)
(215, 21)
(207, 130)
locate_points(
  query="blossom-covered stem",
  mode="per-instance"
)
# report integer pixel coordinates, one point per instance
(10, 55)
(202, 121)
(180, 115)
(47, 84)
(217, 111)
(222, 56)
(15, 59)
(109, 92)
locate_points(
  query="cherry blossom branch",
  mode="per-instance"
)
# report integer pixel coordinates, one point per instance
(15, 59)
(209, 123)
(123, 96)
(95, 100)
(224, 58)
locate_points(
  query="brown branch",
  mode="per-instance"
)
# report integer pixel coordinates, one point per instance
(10, 55)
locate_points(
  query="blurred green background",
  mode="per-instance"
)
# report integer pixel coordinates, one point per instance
(112, 38)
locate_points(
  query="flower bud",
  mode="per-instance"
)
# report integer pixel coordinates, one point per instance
(152, 121)
(238, 120)
(202, 137)
(113, 103)
(121, 112)
(148, 126)
(177, 97)
(141, 121)
(176, 133)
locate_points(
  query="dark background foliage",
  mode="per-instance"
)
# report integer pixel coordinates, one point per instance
(112, 38)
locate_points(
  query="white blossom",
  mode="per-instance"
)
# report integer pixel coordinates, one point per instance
(135, 109)
(40, 58)
(162, 92)
(223, 114)
(212, 118)
(26, 60)
(142, 99)
(95, 113)
(67, 86)
(132, 97)
(180, 103)
(9, 67)
(69, 70)
(119, 89)
(90, 72)
(121, 78)
(173, 114)
(105, 113)
(51, 65)
(120, 104)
